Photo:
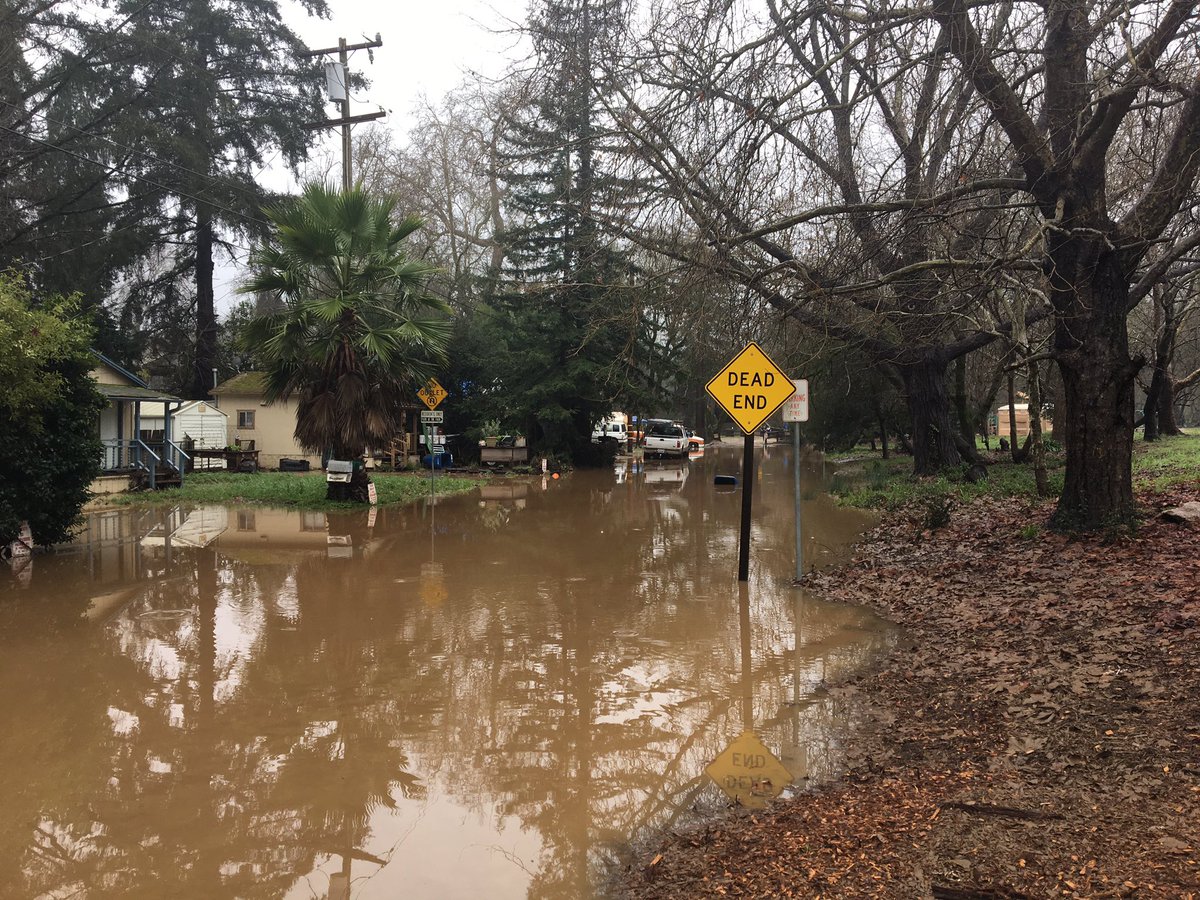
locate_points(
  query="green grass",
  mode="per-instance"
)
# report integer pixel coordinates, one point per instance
(889, 484)
(1166, 462)
(291, 489)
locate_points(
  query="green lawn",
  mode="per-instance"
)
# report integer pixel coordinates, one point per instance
(299, 490)
(888, 484)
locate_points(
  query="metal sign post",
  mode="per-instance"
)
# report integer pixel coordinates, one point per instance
(795, 410)
(432, 394)
(749, 388)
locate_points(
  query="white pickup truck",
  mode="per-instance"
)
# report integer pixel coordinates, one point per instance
(666, 439)
(611, 430)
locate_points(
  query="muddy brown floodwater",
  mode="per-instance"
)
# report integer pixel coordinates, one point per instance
(487, 697)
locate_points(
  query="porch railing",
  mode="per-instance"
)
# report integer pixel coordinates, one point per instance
(119, 456)
(176, 458)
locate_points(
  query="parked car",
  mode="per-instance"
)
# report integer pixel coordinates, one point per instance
(695, 442)
(611, 430)
(666, 439)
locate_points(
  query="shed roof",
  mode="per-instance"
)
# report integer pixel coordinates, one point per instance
(132, 392)
(153, 410)
(243, 383)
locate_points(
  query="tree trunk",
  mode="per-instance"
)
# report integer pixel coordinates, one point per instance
(1167, 424)
(1035, 432)
(1052, 389)
(961, 403)
(1150, 410)
(1092, 348)
(206, 317)
(1164, 349)
(883, 431)
(933, 439)
(1013, 444)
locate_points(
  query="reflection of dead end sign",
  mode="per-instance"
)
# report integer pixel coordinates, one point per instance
(433, 584)
(748, 772)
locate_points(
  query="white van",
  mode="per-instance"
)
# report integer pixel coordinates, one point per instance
(611, 429)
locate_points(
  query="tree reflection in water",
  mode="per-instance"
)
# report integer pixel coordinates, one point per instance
(263, 719)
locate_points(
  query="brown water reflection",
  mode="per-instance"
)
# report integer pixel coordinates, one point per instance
(494, 693)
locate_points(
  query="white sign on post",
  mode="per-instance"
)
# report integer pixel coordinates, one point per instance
(432, 417)
(795, 408)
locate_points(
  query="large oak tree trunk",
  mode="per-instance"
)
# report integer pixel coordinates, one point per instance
(1092, 348)
(933, 436)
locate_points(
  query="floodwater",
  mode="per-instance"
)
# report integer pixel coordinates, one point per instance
(490, 696)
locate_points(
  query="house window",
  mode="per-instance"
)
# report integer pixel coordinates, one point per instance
(245, 520)
(245, 418)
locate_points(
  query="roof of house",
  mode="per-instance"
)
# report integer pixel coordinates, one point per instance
(133, 392)
(118, 368)
(255, 385)
(243, 383)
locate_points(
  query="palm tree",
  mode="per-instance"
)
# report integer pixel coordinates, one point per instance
(354, 332)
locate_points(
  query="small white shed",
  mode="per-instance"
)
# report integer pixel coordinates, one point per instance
(197, 420)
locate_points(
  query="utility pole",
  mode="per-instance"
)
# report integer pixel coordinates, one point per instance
(346, 120)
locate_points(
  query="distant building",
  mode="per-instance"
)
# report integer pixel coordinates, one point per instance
(271, 427)
(999, 422)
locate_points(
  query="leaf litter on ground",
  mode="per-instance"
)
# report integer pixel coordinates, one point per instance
(1036, 734)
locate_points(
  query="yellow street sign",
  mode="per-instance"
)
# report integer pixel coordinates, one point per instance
(748, 772)
(433, 585)
(432, 394)
(750, 387)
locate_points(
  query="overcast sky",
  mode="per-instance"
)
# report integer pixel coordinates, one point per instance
(429, 46)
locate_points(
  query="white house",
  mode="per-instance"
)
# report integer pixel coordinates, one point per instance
(127, 456)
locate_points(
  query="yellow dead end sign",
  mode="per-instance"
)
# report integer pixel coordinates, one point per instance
(750, 387)
(432, 394)
(748, 772)
(433, 584)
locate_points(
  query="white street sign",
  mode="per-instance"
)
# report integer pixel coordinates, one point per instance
(795, 408)
(432, 417)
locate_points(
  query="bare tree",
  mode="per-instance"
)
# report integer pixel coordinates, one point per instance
(840, 170)
(1066, 77)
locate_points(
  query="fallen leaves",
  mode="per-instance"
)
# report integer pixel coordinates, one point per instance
(1038, 726)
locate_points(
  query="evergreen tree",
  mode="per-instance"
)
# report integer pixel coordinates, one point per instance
(222, 91)
(563, 299)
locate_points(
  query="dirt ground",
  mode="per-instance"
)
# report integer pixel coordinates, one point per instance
(1036, 734)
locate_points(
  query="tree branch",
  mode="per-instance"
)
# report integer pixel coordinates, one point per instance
(1006, 106)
